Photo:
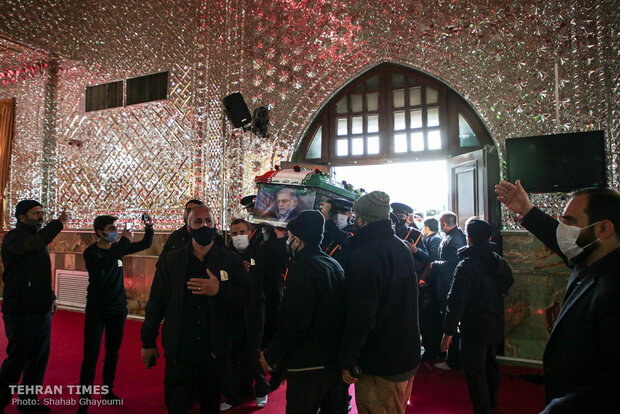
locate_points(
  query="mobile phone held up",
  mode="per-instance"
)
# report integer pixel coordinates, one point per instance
(145, 217)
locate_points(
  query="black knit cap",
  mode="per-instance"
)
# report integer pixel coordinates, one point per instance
(478, 230)
(308, 226)
(23, 206)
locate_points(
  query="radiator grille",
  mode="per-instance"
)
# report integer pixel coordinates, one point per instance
(71, 288)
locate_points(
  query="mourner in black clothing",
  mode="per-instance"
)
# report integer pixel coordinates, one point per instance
(442, 272)
(430, 313)
(106, 300)
(581, 360)
(28, 301)
(443, 269)
(337, 213)
(244, 371)
(248, 202)
(256, 236)
(431, 238)
(410, 235)
(193, 291)
(311, 320)
(180, 237)
(276, 263)
(476, 301)
(381, 337)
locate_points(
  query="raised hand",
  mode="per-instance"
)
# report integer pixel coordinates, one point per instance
(149, 221)
(514, 197)
(64, 217)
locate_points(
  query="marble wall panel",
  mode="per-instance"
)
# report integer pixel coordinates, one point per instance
(536, 296)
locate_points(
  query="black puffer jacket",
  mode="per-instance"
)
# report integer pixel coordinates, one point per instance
(27, 268)
(311, 314)
(476, 299)
(381, 334)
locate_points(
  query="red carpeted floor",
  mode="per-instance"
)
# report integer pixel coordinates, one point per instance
(434, 391)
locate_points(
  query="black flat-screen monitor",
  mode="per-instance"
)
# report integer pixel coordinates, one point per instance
(557, 163)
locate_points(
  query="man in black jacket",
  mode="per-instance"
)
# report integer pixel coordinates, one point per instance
(380, 349)
(476, 300)
(180, 237)
(106, 301)
(443, 273)
(431, 238)
(411, 235)
(276, 263)
(337, 213)
(443, 269)
(430, 313)
(244, 366)
(581, 360)
(28, 301)
(193, 291)
(311, 319)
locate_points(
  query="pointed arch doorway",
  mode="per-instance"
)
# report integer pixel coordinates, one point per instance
(394, 115)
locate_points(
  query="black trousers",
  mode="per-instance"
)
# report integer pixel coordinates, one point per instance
(481, 375)
(244, 370)
(188, 382)
(430, 321)
(27, 351)
(272, 305)
(95, 324)
(307, 392)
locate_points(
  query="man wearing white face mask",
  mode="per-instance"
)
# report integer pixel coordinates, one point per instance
(244, 366)
(338, 229)
(581, 360)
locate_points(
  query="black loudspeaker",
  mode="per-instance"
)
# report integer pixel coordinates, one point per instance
(236, 109)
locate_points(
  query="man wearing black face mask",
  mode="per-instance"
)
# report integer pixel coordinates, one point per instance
(193, 291)
(311, 319)
(181, 237)
(412, 237)
(581, 360)
(28, 301)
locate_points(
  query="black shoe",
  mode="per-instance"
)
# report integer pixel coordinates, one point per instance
(276, 380)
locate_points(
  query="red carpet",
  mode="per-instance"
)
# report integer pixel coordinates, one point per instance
(434, 391)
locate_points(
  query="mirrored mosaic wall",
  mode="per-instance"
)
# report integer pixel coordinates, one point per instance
(501, 56)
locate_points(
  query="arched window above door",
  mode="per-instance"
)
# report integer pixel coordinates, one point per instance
(392, 113)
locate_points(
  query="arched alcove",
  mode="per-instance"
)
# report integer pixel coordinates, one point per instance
(392, 113)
